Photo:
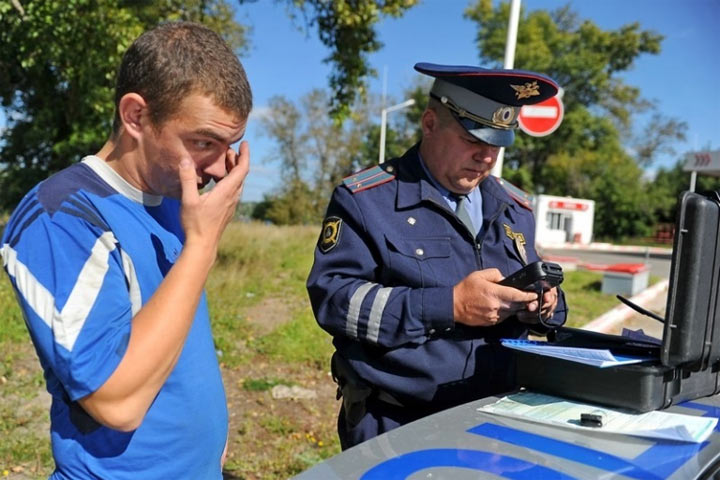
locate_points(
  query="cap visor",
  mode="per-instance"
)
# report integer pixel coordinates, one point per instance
(493, 136)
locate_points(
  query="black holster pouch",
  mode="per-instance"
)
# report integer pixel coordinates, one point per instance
(353, 390)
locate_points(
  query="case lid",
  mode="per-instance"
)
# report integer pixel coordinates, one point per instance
(691, 338)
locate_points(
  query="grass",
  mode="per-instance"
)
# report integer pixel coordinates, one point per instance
(266, 335)
(582, 293)
(256, 262)
(25, 446)
(299, 341)
(584, 297)
(263, 384)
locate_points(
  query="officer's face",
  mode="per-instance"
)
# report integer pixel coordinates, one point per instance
(455, 158)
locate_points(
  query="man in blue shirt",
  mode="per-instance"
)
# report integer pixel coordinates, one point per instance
(109, 258)
(410, 256)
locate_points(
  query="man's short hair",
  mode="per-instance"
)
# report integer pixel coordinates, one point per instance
(442, 113)
(167, 63)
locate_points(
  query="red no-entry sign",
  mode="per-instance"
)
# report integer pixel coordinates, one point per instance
(542, 118)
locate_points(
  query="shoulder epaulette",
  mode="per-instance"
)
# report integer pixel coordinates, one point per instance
(523, 198)
(369, 178)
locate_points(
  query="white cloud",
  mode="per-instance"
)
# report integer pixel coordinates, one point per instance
(259, 113)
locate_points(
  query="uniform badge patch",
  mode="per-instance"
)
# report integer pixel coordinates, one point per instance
(330, 234)
(518, 240)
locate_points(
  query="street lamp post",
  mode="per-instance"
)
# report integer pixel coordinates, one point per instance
(383, 122)
(510, 42)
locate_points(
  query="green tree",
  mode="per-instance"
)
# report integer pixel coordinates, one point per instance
(314, 153)
(347, 28)
(670, 182)
(588, 155)
(402, 130)
(295, 203)
(57, 69)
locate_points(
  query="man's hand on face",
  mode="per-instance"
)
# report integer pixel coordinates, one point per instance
(479, 301)
(205, 215)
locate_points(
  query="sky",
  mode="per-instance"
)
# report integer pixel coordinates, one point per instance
(683, 78)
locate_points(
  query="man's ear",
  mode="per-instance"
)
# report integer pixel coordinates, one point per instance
(429, 122)
(133, 112)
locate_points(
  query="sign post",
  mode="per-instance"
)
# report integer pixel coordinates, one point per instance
(707, 162)
(542, 118)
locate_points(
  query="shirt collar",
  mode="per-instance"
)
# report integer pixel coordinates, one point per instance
(118, 183)
(449, 197)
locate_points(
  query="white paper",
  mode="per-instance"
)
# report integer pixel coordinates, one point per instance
(590, 356)
(536, 407)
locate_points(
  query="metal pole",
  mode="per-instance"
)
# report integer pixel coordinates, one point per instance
(510, 43)
(693, 179)
(383, 123)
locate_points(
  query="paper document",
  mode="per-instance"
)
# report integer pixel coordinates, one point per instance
(591, 356)
(536, 407)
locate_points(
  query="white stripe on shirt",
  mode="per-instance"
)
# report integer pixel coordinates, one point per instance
(66, 325)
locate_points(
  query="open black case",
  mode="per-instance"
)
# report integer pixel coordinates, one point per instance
(687, 364)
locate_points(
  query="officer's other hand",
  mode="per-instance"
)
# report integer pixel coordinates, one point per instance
(479, 301)
(205, 215)
(529, 315)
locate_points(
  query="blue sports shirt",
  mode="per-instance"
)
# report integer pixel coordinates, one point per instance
(84, 251)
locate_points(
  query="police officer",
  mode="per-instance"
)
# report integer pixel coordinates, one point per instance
(410, 255)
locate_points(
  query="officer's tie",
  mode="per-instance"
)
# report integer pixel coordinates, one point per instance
(462, 212)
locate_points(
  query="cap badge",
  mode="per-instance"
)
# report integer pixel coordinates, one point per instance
(529, 89)
(504, 115)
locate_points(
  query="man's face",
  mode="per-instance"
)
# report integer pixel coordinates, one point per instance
(200, 131)
(455, 158)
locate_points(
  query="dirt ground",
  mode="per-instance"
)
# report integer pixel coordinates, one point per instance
(272, 437)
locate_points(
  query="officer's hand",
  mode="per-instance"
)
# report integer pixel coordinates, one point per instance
(205, 216)
(550, 300)
(479, 301)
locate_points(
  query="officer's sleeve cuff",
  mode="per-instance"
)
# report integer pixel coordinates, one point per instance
(437, 309)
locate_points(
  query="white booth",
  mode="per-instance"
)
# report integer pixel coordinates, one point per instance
(563, 219)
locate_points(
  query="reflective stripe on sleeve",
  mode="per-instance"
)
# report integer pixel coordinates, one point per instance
(351, 323)
(378, 307)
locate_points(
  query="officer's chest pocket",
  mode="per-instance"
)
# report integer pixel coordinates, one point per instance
(419, 262)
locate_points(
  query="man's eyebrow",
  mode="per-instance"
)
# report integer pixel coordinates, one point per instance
(217, 137)
(214, 135)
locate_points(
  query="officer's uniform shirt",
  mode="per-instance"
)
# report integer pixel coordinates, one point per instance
(389, 255)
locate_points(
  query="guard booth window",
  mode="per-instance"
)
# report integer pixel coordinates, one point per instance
(557, 220)
(562, 222)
